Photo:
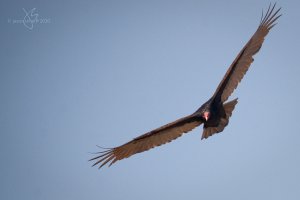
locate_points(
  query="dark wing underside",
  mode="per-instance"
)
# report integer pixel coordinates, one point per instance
(241, 64)
(154, 138)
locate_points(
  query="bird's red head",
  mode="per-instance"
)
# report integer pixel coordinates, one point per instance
(206, 115)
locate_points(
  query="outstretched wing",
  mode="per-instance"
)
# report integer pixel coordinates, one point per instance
(149, 140)
(241, 64)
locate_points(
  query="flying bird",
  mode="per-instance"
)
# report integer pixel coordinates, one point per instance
(213, 114)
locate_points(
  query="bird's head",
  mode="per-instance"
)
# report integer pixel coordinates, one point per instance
(206, 115)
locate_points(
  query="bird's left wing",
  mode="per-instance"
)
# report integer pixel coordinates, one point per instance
(149, 140)
(244, 59)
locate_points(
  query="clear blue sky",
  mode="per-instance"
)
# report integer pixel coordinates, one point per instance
(104, 72)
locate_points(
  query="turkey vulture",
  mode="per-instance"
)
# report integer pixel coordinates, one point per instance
(214, 114)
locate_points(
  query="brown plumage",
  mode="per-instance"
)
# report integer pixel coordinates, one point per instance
(214, 114)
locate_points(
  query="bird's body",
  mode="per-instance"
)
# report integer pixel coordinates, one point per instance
(219, 114)
(214, 114)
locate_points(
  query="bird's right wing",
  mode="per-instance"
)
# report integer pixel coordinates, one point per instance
(149, 140)
(241, 64)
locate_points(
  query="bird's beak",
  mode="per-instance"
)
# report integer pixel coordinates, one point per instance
(206, 115)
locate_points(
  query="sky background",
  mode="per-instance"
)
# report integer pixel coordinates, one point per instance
(104, 72)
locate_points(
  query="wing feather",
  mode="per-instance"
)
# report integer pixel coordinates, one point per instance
(241, 64)
(149, 140)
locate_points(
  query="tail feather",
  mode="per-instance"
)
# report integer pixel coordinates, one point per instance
(209, 131)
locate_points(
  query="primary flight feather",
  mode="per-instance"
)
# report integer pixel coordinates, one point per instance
(214, 114)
